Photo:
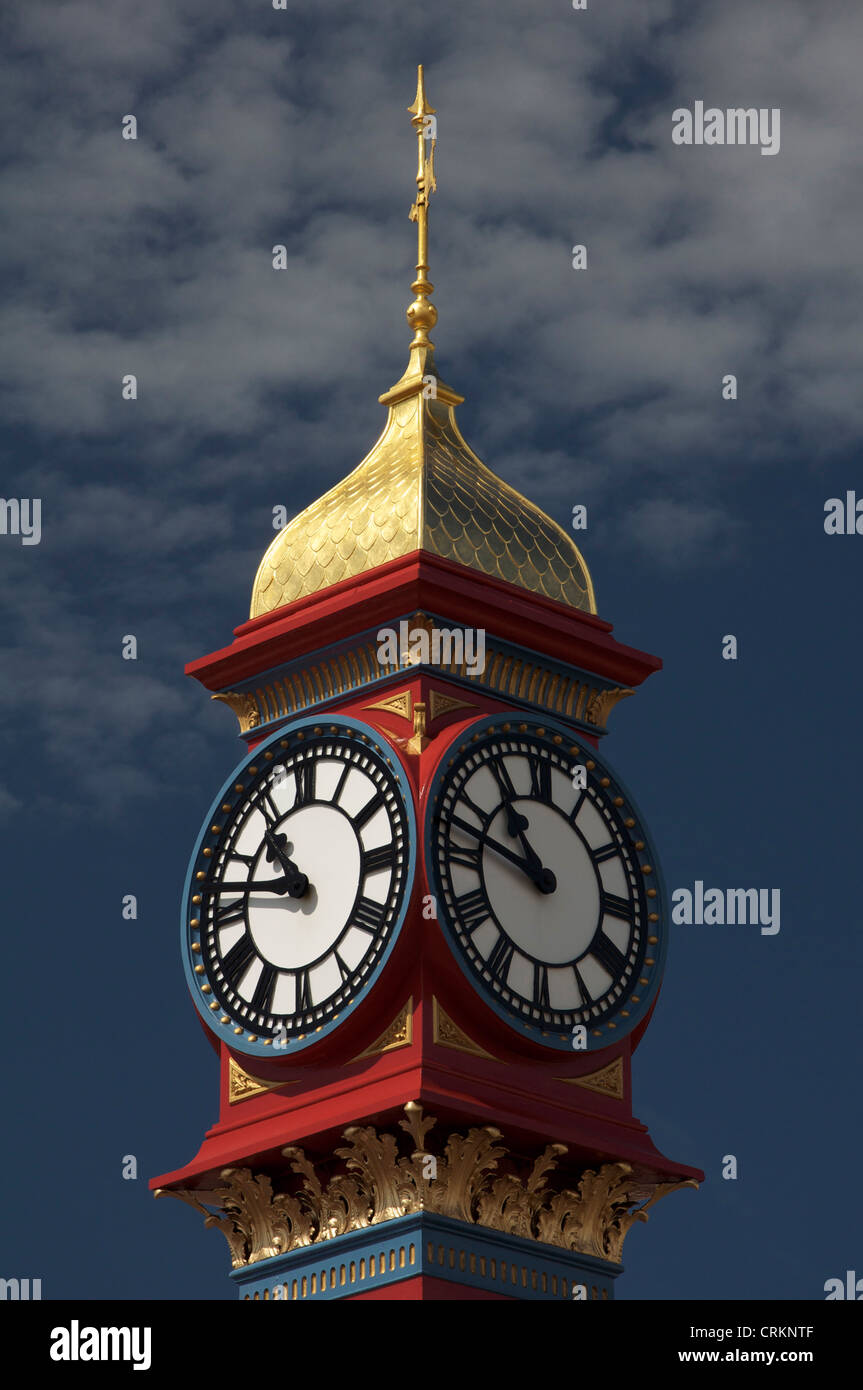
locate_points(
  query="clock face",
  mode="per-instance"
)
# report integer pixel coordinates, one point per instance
(298, 886)
(546, 884)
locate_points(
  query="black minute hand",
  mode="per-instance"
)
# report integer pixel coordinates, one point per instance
(532, 866)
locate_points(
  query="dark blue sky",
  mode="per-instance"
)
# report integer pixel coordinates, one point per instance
(600, 387)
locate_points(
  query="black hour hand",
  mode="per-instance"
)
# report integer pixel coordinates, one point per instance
(297, 883)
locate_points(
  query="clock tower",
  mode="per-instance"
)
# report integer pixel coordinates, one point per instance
(424, 925)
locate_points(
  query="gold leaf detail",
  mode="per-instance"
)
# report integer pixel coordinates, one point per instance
(440, 704)
(380, 1184)
(396, 704)
(244, 705)
(448, 1034)
(608, 1081)
(399, 1034)
(601, 703)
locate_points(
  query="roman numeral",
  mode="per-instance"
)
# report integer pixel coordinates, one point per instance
(238, 959)
(369, 914)
(228, 913)
(500, 958)
(375, 859)
(617, 907)
(247, 859)
(343, 777)
(540, 986)
(481, 815)
(368, 811)
(304, 991)
(343, 969)
(540, 777)
(473, 909)
(466, 858)
(573, 815)
(609, 851)
(498, 768)
(268, 808)
(603, 949)
(305, 774)
(585, 993)
(262, 999)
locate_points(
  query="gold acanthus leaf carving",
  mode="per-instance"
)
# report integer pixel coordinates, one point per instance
(380, 1184)
(244, 706)
(602, 702)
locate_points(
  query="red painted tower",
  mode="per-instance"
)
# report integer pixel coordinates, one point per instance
(424, 926)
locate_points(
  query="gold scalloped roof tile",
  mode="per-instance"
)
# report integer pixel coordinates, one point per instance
(421, 488)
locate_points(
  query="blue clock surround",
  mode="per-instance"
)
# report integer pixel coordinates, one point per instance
(605, 1034)
(292, 1046)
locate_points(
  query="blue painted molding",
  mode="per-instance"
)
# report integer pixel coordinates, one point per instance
(425, 1243)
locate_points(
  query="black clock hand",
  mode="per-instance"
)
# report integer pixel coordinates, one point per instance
(272, 885)
(517, 824)
(543, 878)
(297, 882)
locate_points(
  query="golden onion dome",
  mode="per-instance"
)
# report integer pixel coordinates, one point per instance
(421, 488)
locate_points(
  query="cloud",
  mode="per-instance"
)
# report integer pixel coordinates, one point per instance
(259, 387)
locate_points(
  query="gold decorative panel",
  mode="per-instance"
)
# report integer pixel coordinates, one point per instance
(399, 1034)
(608, 1081)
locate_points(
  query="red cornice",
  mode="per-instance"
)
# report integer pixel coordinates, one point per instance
(423, 581)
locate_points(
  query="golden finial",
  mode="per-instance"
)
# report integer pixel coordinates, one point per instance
(422, 315)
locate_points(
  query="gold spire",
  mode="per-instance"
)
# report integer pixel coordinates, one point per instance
(421, 487)
(421, 314)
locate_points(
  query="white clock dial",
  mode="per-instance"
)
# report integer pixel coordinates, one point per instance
(546, 896)
(303, 883)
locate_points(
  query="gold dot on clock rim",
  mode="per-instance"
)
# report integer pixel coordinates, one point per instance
(605, 781)
(207, 853)
(196, 945)
(200, 874)
(226, 805)
(651, 892)
(269, 757)
(652, 940)
(590, 764)
(195, 922)
(215, 1004)
(196, 898)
